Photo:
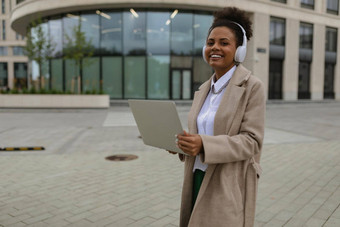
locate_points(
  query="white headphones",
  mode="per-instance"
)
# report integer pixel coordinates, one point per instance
(241, 51)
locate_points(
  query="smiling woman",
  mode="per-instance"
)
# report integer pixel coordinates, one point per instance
(226, 129)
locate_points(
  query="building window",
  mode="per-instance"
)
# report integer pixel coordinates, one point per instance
(333, 6)
(306, 36)
(331, 39)
(181, 34)
(134, 33)
(3, 30)
(18, 36)
(277, 49)
(20, 75)
(277, 31)
(20, 1)
(309, 4)
(18, 51)
(282, 1)
(330, 62)
(111, 33)
(3, 7)
(3, 51)
(3, 75)
(304, 80)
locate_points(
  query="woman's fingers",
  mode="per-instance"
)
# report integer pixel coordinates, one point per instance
(189, 143)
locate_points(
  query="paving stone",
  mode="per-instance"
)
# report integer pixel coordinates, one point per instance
(71, 181)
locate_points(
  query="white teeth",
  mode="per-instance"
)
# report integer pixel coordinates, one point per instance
(216, 56)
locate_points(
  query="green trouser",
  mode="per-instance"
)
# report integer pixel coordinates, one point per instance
(198, 178)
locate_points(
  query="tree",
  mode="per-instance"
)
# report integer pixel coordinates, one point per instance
(39, 47)
(77, 48)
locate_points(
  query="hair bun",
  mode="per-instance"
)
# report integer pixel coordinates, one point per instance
(236, 15)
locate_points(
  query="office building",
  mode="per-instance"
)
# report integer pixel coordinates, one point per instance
(152, 49)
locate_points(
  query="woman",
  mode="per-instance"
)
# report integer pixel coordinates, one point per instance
(226, 129)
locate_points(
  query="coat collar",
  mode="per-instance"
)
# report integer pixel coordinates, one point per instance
(240, 76)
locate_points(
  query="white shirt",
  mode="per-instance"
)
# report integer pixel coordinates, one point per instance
(206, 117)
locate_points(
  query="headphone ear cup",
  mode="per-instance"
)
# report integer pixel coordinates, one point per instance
(240, 54)
(203, 53)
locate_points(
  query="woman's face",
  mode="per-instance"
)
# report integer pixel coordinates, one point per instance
(220, 50)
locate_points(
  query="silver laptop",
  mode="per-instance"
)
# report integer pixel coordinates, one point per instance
(157, 122)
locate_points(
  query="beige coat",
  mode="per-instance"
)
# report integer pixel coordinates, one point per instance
(228, 193)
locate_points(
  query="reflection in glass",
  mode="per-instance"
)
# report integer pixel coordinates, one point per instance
(176, 84)
(112, 76)
(201, 72)
(134, 77)
(158, 77)
(201, 26)
(182, 34)
(331, 39)
(57, 74)
(18, 51)
(277, 31)
(3, 74)
(111, 33)
(328, 88)
(306, 36)
(20, 75)
(186, 81)
(70, 22)
(158, 36)
(90, 27)
(134, 33)
(91, 75)
(56, 36)
(304, 80)
(72, 76)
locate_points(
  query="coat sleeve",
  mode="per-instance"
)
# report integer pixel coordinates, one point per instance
(245, 144)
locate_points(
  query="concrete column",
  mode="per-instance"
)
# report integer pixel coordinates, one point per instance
(337, 70)
(293, 3)
(319, 6)
(258, 48)
(291, 62)
(318, 63)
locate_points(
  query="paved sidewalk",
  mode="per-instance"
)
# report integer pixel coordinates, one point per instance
(72, 184)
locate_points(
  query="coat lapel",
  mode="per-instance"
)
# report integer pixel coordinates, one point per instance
(197, 104)
(225, 113)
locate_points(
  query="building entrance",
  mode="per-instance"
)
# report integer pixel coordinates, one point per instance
(181, 84)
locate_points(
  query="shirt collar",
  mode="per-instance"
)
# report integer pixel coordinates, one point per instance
(223, 80)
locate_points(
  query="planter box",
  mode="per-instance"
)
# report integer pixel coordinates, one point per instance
(53, 101)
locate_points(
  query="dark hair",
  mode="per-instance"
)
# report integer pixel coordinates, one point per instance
(226, 17)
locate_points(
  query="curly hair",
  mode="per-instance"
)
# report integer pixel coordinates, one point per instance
(226, 17)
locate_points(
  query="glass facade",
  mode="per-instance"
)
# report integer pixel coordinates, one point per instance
(135, 53)
(20, 76)
(3, 75)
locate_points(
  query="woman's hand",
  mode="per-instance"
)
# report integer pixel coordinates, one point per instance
(190, 143)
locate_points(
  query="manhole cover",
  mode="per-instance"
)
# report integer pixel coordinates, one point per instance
(122, 157)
